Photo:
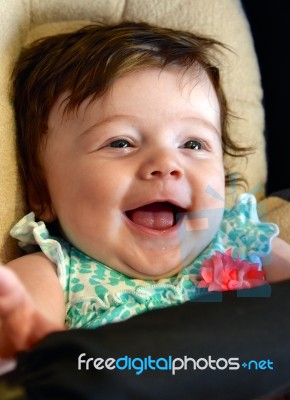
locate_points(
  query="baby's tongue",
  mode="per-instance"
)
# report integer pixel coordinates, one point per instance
(154, 216)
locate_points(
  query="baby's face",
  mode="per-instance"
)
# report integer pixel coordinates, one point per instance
(131, 174)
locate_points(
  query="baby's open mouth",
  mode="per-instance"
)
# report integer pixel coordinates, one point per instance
(158, 215)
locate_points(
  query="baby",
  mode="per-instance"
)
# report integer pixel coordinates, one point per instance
(121, 132)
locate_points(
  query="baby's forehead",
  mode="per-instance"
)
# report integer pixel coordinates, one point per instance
(186, 78)
(146, 93)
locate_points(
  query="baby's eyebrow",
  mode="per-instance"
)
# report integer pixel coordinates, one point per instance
(106, 121)
(204, 123)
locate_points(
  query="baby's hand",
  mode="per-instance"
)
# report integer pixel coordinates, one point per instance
(21, 323)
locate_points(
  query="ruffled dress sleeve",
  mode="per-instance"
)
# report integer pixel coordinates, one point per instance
(242, 234)
(33, 236)
(243, 231)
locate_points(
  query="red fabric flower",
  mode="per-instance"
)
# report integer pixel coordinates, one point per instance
(222, 272)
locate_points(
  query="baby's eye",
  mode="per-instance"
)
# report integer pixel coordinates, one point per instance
(120, 144)
(192, 144)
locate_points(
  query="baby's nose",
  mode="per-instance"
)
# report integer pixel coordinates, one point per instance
(163, 165)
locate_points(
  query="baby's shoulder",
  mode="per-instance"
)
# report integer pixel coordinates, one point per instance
(278, 264)
(30, 262)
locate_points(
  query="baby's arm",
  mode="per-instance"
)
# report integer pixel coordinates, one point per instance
(31, 303)
(279, 267)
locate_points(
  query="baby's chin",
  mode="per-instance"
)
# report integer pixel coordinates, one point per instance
(151, 275)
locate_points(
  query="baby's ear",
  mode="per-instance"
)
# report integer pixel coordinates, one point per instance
(42, 209)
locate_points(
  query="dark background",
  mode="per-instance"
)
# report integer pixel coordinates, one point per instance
(270, 25)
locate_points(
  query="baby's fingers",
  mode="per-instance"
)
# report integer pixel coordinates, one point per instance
(12, 291)
(22, 324)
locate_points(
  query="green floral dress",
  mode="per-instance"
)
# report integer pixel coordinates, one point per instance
(96, 295)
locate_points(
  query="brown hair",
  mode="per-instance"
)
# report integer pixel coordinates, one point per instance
(84, 63)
